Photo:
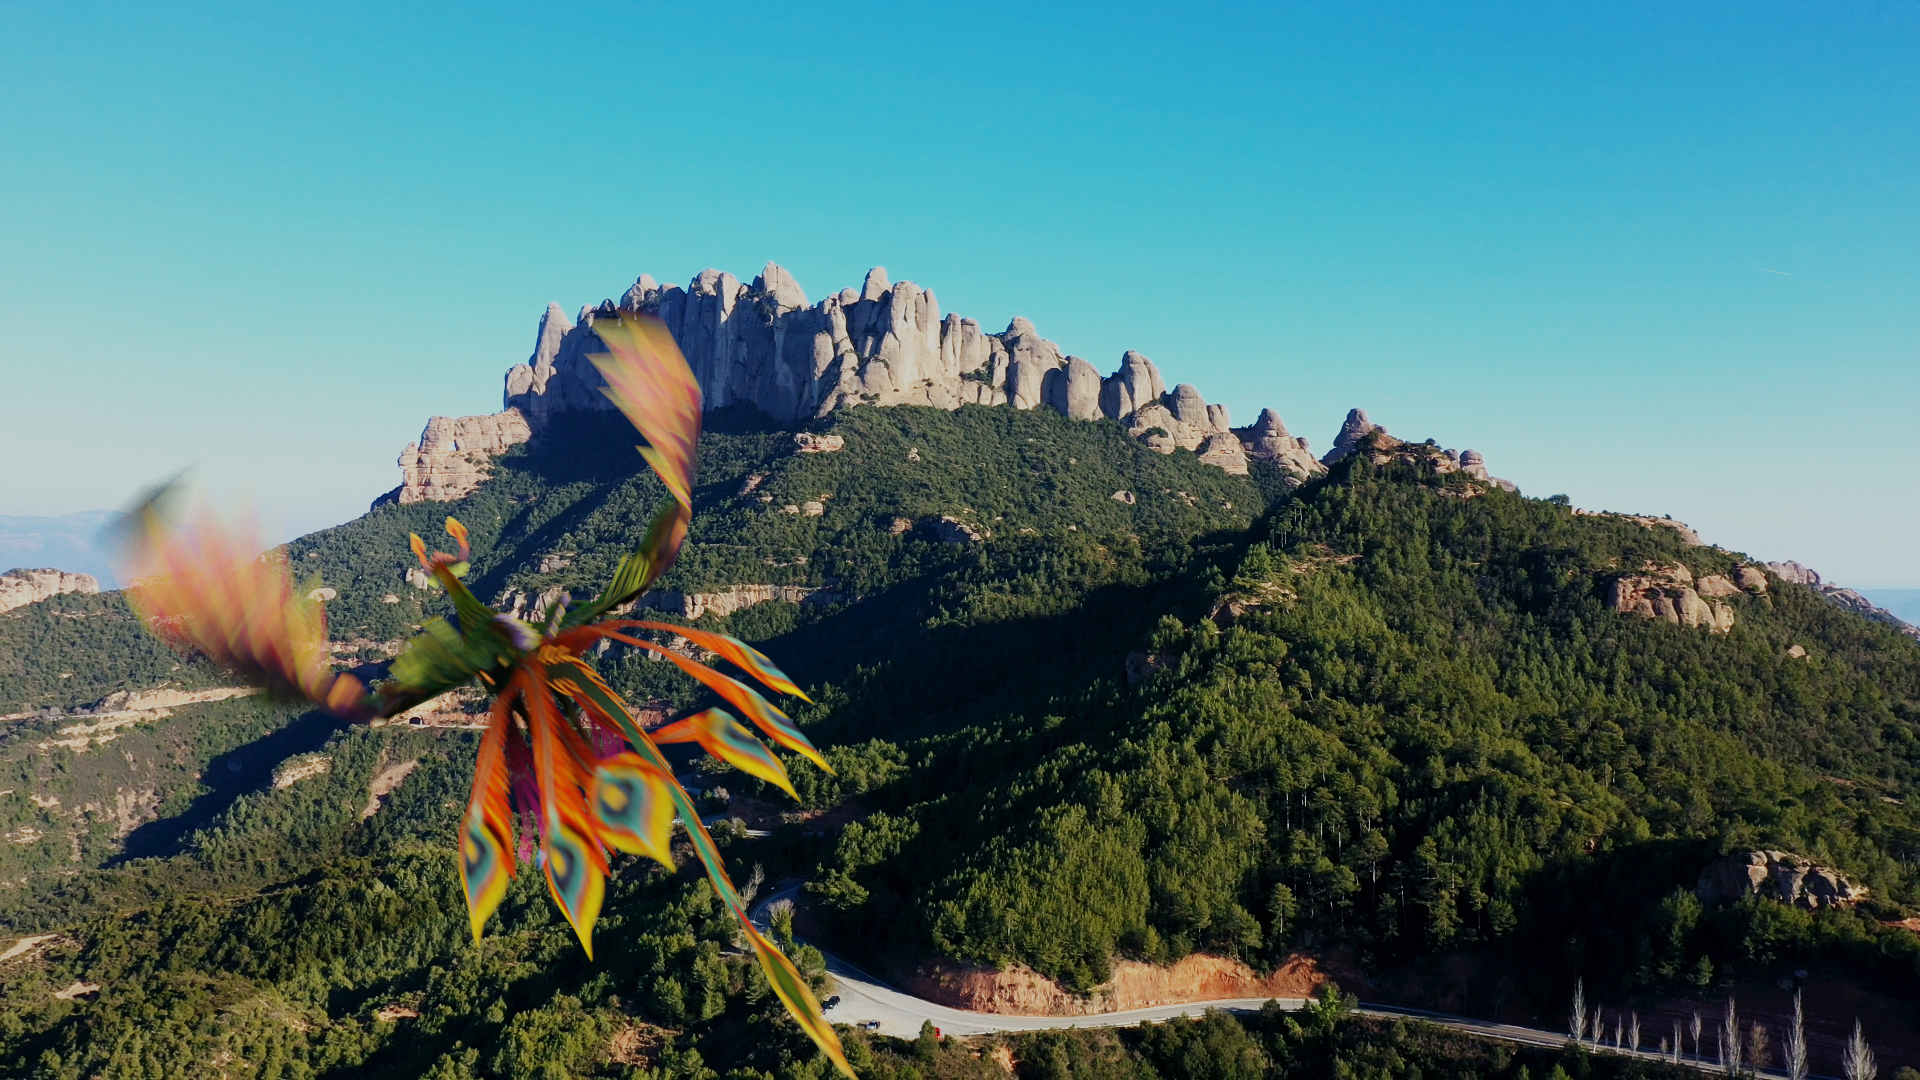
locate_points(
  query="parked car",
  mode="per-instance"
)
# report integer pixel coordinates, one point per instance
(830, 1002)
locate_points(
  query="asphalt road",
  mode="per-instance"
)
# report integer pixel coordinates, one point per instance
(867, 1000)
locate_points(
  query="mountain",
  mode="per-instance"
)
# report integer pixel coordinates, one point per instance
(1092, 700)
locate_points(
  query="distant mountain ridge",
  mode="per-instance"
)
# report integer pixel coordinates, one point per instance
(763, 346)
(71, 542)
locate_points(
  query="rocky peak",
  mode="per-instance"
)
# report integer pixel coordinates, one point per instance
(885, 343)
(777, 285)
(454, 455)
(1356, 428)
(1268, 440)
(1794, 572)
(20, 587)
(763, 345)
(1359, 435)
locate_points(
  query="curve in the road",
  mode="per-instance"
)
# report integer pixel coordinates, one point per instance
(867, 1001)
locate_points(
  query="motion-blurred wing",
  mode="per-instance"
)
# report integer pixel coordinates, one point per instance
(650, 382)
(210, 589)
(632, 805)
(740, 654)
(794, 994)
(719, 734)
(486, 831)
(640, 569)
(738, 694)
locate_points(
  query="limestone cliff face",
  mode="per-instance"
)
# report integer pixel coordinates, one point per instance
(454, 454)
(1671, 593)
(764, 344)
(18, 588)
(761, 343)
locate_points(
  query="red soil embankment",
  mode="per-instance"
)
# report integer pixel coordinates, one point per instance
(1021, 991)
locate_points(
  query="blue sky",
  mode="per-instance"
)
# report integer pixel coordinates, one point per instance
(1662, 258)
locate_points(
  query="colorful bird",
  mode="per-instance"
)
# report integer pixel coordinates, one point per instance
(554, 733)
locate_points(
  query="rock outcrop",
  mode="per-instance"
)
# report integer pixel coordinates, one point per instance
(733, 598)
(763, 344)
(1359, 435)
(1777, 875)
(300, 767)
(1268, 440)
(1670, 593)
(454, 455)
(1648, 521)
(19, 587)
(1796, 574)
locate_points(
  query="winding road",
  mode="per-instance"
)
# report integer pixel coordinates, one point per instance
(866, 1001)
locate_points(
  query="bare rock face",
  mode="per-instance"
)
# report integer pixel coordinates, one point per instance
(1777, 875)
(1796, 574)
(1224, 452)
(454, 455)
(18, 587)
(733, 598)
(1356, 428)
(809, 443)
(762, 344)
(1670, 593)
(1269, 440)
(951, 530)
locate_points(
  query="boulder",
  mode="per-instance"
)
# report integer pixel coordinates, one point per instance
(1776, 875)
(809, 443)
(1223, 451)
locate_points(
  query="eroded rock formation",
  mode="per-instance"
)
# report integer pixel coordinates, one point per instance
(733, 598)
(1670, 593)
(1777, 875)
(1269, 440)
(1359, 435)
(454, 455)
(19, 587)
(763, 344)
(1648, 521)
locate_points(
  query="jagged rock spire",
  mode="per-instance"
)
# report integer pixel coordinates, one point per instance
(885, 343)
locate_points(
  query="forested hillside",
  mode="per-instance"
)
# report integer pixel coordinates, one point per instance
(1422, 730)
(1151, 709)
